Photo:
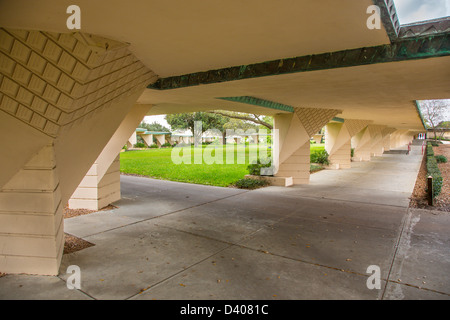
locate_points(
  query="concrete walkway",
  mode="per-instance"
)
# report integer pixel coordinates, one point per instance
(170, 240)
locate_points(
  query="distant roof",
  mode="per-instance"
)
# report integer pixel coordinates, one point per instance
(144, 131)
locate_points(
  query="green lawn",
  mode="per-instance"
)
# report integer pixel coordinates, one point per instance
(158, 163)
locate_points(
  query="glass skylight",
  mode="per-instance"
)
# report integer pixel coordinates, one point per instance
(412, 11)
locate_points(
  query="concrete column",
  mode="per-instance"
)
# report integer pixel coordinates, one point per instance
(376, 149)
(361, 143)
(62, 98)
(132, 140)
(337, 145)
(101, 185)
(97, 191)
(160, 139)
(294, 132)
(148, 139)
(338, 141)
(31, 218)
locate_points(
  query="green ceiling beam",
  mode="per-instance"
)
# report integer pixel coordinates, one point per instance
(402, 50)
(260, 102)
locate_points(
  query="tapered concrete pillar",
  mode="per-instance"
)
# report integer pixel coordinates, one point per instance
(361, 143)
(101, 185)
(132, 140)
(160, 139)
(62, 98)
(376, 148)
(148, 139)
(294, 132)
(98, 190)
(400, 138)
(338, 141)
(386, 138)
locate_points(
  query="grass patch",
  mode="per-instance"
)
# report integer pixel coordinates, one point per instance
(157, 163)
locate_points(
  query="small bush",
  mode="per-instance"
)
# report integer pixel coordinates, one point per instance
(255, 167)
(441, 159)
(320, 156)
(139, 145)
(434, 144)
(248, 183)
(167, 144)
(154, 146)
(430, 151)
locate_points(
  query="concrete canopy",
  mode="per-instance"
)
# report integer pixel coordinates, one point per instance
(177, 38)
(70, 99)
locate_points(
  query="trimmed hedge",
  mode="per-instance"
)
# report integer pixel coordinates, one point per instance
(433, 171)
(248, 183)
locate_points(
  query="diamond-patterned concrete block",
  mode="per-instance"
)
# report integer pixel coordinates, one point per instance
(6, 41)
(36, 40)
(21, 74)
(37, 85)
(24, 113)
(38, 121)
(50, 80)
(52, 51)
(9, 105)
(6, 64)
(51, 73)
(24, 96)
(9, 87)
(39, 105)
(20, 52)
(66, 62)
(36, 63)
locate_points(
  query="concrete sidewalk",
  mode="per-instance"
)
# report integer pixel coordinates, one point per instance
(169, 240)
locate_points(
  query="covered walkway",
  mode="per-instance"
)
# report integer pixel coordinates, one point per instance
(169, 240)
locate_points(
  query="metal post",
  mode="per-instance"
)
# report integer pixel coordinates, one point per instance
(430, 191)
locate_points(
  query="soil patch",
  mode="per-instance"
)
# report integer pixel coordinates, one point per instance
(419, 195)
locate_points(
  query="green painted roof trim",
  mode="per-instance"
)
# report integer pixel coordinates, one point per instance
(338, 119)
(140, 130)
(414, 48)
(416, 102)
(157, 133)
(260, 103)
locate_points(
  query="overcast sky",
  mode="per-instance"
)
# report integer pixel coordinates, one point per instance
(419, 10)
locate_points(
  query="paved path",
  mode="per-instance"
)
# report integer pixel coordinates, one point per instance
(170, 240)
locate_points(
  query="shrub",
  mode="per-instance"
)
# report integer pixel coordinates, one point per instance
(320, 156)
(435, 173)
(255, 167)
(441, 159)
(248, 183)
(153, 146)
(430, 151)
(167, 144)
(434, 144)
(139, 145)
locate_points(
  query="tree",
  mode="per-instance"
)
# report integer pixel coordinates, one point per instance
(188, 120)
(257, 119)
(154, 126)
(433, 112)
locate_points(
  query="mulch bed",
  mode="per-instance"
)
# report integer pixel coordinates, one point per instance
(72, 243)
(419, 195)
